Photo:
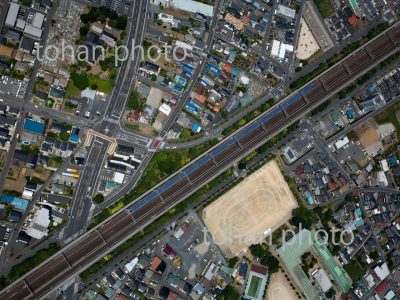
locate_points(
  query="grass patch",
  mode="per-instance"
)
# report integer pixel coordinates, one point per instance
(354, 269)
(133, 127)
(72, 91)
(135, 101)
(103, 85)
(389, 116)
(162, 165)
(320, 108)
(167, 162)
(324, 7)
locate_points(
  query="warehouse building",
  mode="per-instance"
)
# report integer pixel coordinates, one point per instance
(25, 20)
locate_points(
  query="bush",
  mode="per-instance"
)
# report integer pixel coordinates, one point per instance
(229, 293)
(233, 261)
(135, 101)
(99, 198)
(31, 262)
(354, 270)
(83, 31)
(64, 136)
(121, 22)
(80, 80)
(320, 108)
(266, 258)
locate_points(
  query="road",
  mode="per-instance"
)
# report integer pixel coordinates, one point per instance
(79, 254)
(84, 193)
(185, 97)
(110, 125)
(24, 108)
(27, 96)
(117, 195)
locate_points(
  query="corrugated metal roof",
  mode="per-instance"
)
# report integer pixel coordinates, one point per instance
(12, 14)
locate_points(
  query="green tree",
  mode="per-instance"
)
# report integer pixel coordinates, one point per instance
(83, 31)
(258, 250)
(135, 101)
(229, 293)
(270, 262)
(122, 21)
(80, 80)
(233, 261)
(185, 133)
(85, 18)
(303, 216)
(64, 136)
(99, 198)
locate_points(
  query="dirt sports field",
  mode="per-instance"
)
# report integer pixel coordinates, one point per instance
(240, 217)
(279, 288)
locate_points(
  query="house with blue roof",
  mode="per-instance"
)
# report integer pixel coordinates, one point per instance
(350, 113)
(73, 138)
(15, 216)
(358, 212)
(196, 128)
(15, 202)
(358, 223)
(392, 160)
(36, 127)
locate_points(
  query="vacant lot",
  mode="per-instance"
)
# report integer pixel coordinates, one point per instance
(240, 217)
(324, 7)
(279, 288)
(307, 45)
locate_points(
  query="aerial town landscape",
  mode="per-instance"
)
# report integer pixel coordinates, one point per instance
(207, 149)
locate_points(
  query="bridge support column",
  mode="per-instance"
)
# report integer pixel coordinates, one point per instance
(102, 237)
(262, 126)
(66, 260)
(323, 84)
(187, 177)
(347, 68)
(29, 287)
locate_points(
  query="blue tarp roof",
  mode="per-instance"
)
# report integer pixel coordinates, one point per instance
(34, 126)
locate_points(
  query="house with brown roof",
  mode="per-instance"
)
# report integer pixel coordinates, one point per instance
(231, 19)
(6, 51)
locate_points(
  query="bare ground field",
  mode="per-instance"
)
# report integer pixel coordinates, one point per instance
(240, 217)
(307, 45)
(279, 288)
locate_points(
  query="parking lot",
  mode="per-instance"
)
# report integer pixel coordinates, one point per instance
(12, 86)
